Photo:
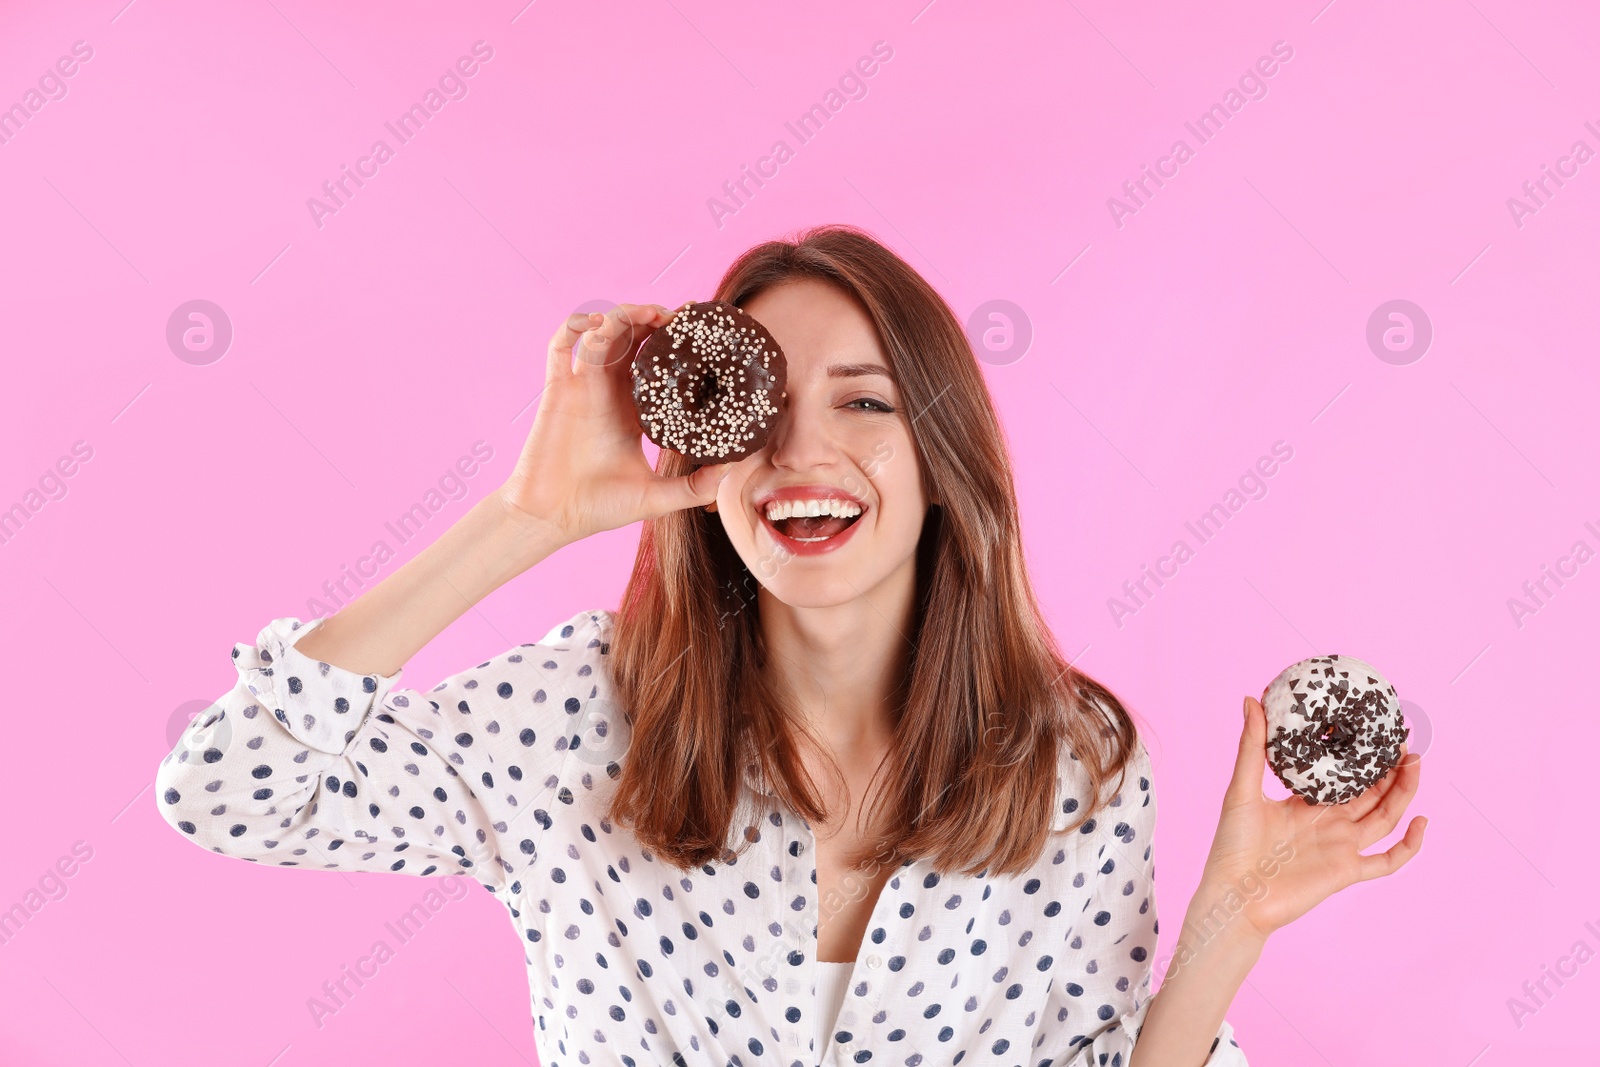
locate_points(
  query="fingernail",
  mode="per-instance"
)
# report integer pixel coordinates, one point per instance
(1247, 709)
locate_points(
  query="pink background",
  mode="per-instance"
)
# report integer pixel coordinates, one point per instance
(1229, 312)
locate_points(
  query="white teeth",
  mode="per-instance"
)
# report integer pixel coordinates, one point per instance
(788, 509)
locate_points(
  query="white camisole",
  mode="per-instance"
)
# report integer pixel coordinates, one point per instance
(832, 978)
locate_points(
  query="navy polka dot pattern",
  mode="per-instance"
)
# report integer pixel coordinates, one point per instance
(502, 772)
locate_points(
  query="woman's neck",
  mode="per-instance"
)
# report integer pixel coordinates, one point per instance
(843, 664)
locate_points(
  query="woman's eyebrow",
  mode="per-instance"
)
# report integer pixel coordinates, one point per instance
(859, 370)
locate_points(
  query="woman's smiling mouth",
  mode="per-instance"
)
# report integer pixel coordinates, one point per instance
(808, 520)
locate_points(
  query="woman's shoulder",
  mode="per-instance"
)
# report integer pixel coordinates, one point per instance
(579, 640)
(596, 622)
(1127, 787)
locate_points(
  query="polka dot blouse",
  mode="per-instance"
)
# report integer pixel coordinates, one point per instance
(501, 773)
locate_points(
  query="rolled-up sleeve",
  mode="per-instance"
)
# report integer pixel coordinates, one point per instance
(1102, 989)
(304, 764)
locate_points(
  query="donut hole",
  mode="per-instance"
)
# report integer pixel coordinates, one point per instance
(1335, 737)
(703, 391)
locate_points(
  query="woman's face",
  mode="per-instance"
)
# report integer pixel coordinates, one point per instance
(842, 432)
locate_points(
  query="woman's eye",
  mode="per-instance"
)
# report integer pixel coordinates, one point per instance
(877, 405)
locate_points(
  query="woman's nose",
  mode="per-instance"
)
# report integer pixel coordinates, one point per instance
(800, 437)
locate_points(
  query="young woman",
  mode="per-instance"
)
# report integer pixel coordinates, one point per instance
(822, 790)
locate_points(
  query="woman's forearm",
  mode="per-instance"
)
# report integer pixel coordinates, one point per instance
(1214, 954)
(382, 628)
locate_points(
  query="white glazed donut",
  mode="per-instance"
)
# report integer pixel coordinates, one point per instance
(1334, 728)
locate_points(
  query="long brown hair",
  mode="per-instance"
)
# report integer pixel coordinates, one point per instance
(987, 697)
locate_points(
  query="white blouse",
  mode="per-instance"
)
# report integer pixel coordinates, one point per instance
(502, 771)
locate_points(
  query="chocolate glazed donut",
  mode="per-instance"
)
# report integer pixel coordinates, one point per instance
(1334, 728)
(710, 383)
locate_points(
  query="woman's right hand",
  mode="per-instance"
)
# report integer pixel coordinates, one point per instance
(583, 468)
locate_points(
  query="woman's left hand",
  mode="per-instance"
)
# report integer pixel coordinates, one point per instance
(1301, 853)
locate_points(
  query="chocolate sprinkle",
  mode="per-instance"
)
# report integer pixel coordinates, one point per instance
(1334, 727)
(709, 384)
